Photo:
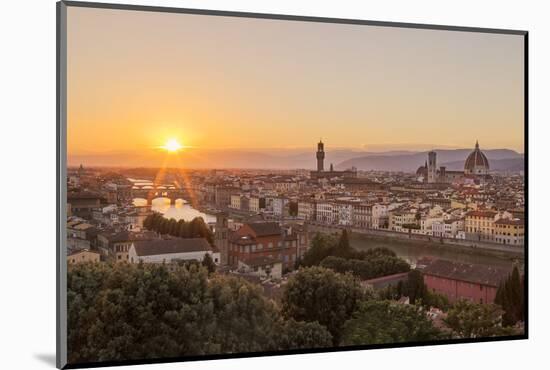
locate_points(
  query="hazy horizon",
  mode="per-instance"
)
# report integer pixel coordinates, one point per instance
(280, 158)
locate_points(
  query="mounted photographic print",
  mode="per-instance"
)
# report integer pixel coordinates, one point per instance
(235, 184)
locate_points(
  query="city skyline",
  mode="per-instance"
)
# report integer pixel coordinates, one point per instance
(139, 79)
(227, 174)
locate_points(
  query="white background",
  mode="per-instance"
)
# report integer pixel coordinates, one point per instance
(27, 142)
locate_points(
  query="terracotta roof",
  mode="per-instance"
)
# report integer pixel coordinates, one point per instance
(82, 195)
(260, 261)
(505, 221)
(124, 236)
(383, 279)
(476, 159)
(171, 246)
(479, 274)
(482, 213)
(78, 251)
(265, 228)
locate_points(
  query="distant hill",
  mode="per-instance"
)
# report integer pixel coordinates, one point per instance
(284, 159)
(453, 159)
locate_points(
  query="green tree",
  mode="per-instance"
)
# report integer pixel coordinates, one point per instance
(164, 226)
(123, 311)
(377, 322)
(303, 335)
(209, 263)
(180, 228)
(321, 246)
(416, 289)
(369, 268)
(471, 320)
(343, 248)
(433, 299)
(196, 228)
(148, 222)
(129, 311)
(172, 227)
(319, 294)
(510, 297)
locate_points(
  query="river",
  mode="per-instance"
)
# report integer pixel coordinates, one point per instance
(179, 211)
(412, 252)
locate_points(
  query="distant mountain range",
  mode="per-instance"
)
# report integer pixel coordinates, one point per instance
(499, 160)
(407, 161)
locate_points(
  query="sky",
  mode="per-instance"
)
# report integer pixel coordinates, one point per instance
(137, 79)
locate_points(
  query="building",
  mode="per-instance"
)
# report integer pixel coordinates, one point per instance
(398, 219)
(264, 239)
(83, 203)
(480, 225)
(320, 156)
(83, 256)
(235, 201)
(476, 166)
(223, 194)
(362, 215)
(321, 173)
(380, 219)
(509, 231)
(326, 212)
(221, 236)
(80, 235)
(344, 212)
(285, 184)
(306, 209)
(432, 169)
(449, 228)
(476, 163)
(172, 250)
(280, 206)
(116, 244)
(256, 204)
(476, 283)
(263, 267)
(359, 184)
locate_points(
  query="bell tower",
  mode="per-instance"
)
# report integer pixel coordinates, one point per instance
(432, 169)
(320, 156)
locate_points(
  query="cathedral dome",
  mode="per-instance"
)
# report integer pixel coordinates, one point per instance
(476, 163)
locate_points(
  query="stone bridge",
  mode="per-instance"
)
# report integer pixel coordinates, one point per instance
(161, 192)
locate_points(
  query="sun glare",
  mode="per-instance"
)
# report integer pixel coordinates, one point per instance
(172, 145)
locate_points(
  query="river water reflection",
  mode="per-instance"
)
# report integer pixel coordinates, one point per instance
(179, 211)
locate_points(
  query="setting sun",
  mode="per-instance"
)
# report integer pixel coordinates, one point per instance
(172, 145)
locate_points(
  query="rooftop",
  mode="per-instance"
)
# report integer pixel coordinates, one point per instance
(260, 261)
(473, 273)
(265, 228)
(171, 246)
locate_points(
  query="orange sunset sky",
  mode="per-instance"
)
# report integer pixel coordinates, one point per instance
(138, 79)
